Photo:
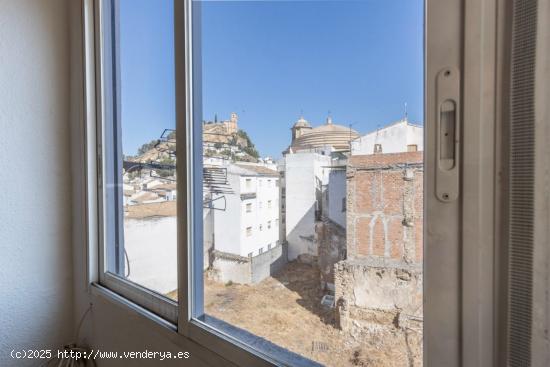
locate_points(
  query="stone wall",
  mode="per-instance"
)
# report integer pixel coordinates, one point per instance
(378, 288)
(230, 268)
(331, 239)
(247, 270)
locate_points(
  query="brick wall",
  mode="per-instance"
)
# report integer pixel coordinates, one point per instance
(378, 287)
(384, 201)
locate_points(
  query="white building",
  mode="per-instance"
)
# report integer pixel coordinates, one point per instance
(307, 165)
(156, 269)
(306, 174)
(401, 136)
(282, 200)
(336, 196)
(249, 225)
(262, 162)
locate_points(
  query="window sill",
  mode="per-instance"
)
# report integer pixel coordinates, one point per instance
(217, 334)
(103, 297)
(99, 290)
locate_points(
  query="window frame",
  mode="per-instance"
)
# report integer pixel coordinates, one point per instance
(462, 238)
(148, 299)
(190, 244)
(442, 339)
(461, 226)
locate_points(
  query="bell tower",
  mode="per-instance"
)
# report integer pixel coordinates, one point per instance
(231, 125)
(299, 128)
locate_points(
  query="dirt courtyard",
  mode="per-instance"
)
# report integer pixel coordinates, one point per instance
(286, 310)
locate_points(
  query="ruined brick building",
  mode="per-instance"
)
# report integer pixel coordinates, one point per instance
(378, 287)
(364, 231)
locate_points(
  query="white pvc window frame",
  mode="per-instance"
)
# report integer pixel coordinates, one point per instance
(458, 240)
(109, 159)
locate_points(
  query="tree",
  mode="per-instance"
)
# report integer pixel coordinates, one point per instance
(244, 135)
(250, 149)
(167, 172)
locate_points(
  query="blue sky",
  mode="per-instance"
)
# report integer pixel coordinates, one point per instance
(270, 60)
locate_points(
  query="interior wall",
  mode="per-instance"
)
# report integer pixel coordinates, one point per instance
(36, 294)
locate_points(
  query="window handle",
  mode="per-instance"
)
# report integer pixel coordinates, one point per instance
(447, 135)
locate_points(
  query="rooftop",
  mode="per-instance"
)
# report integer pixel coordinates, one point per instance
(257, 170)
(160, 209)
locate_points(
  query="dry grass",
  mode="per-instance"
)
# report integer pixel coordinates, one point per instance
(286, 310)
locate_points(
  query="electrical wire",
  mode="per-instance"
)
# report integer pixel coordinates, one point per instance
(73, 350)
(127, 263)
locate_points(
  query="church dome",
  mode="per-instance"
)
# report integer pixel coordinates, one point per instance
(337, 136)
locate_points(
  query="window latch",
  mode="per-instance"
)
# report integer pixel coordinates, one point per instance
(448, 135)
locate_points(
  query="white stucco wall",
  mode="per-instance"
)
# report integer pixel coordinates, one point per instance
(36, 277)
(336, 194)
(227, 224)
(151, 245)
(415, 135)
(266, 190)
(394, 138)
(207, 235)
(301, 171)
(230, 225)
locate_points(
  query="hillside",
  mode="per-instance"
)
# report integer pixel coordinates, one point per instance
(155, 154)
(236, 146)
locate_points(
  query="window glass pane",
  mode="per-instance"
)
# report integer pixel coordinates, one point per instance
(322, 103)
(139, 134)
